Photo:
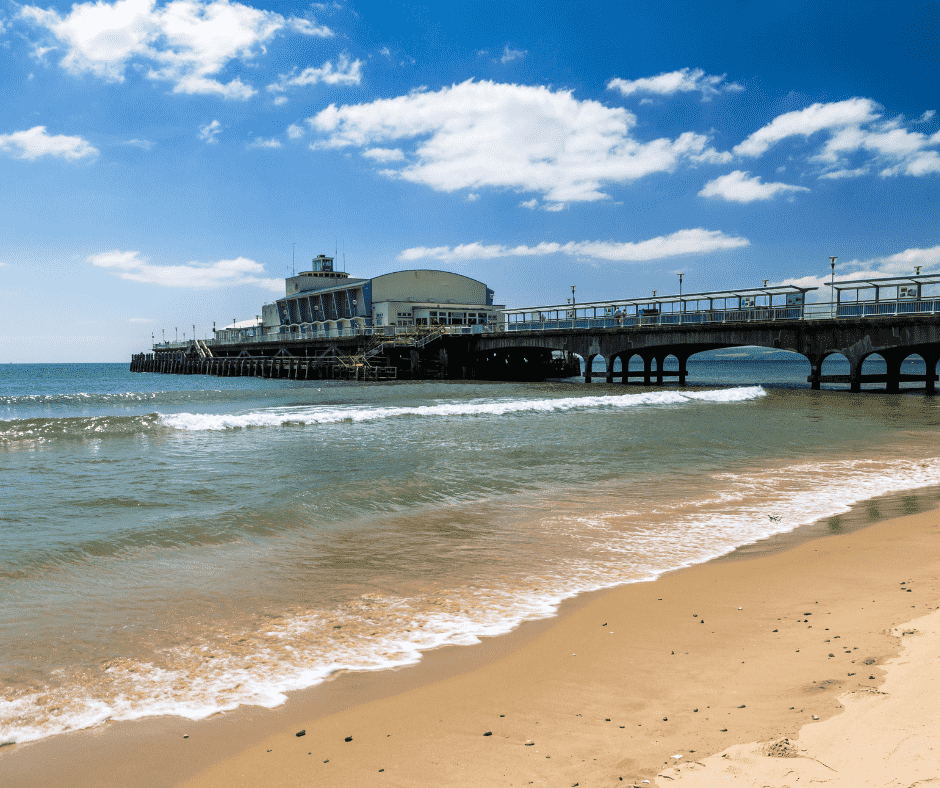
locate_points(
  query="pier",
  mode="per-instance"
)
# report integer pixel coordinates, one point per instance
(894, 318)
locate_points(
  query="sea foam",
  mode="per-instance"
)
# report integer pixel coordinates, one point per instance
(303, 415)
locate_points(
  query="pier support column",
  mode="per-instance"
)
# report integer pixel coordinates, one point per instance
(588, 363)
(660, 363)
(893, 363)
(609, 363)
(815, 372)
(647, 370)
(930, 359)
(683, 368)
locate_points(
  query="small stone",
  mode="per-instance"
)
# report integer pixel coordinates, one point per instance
(529, 743)
(326, 761)
(742, 706)
(872, 678)
(694, 709)
(724, 730)
(348, 738)
(775, 630)
(300, 733)
(185, 735)
(665, 719)
(488, 733)
(381, 770)
(815, 717)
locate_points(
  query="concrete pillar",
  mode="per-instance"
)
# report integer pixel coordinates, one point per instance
(647, 369)
(815, 372)
(609, 363)
(588, 363)
(930, 359)
(893, 362)
(855, 375)
(683, 369)
(660, 361)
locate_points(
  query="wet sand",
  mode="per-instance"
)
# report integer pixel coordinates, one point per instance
(749, 648)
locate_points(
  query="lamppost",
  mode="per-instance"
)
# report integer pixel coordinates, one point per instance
(194, 332)
(177, 330)
(163, 332)
(574, 309)
(832, 287)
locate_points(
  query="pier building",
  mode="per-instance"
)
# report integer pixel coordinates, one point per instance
(323, 302)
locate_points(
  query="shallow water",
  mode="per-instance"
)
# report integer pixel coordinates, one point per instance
(187, 544)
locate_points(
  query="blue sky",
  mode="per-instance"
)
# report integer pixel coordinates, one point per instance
(161, 162)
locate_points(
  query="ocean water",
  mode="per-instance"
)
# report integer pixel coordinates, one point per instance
(188, 544)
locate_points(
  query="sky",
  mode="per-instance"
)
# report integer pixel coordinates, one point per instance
(164, 164)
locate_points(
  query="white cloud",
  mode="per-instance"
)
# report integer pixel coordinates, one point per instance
(294, 131)
(530, 204)
(473, 197)
(222, 273)
(345, 72)
(805, 122)
(738, 187)
(36, 142)
(893, 265)
(684, 80)
(512, 54)
(185, 42)
(210, 132)
(258, 142)
(384, 154)
(142, 144)
(696, 241)
(839, 174)
(527, 138)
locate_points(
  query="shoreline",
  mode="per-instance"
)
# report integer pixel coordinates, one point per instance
(535, 666)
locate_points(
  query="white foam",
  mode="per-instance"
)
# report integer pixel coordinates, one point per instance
(380, 632)
(276, 417)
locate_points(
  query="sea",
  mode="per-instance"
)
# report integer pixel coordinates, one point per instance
(186, 545)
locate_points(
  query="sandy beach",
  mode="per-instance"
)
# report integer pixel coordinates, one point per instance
(736, 671)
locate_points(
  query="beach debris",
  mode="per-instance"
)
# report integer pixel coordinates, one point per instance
(677, 757)
(740, 608)
(724, 730)
(604, 624)
(694, 709)
(185, 735)
(742, 706)
(300, 733)
(348, 738)
(488, 733)
(326, 761)
(381, 770)
(775, 630)
(530, 744)
(782, 748)
(774, 518)
(815, 717)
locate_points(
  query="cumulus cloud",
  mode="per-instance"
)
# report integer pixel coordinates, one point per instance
(526, 138)
(260, 142)
(696, 241)
(187, 43)
(899, 264)
(36, 142)
(384, 154)
(294, 131)
(856, 140)
(512, 54)
(809, 121)
(142, 144)
(131, 267)
(685, 80)
(738, 187)
(210, 132)
(345, 72)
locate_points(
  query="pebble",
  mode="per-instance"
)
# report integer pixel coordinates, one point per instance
(529, 743)
(300, 733)
(348, 738)
(488, 733)
(185, 735)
